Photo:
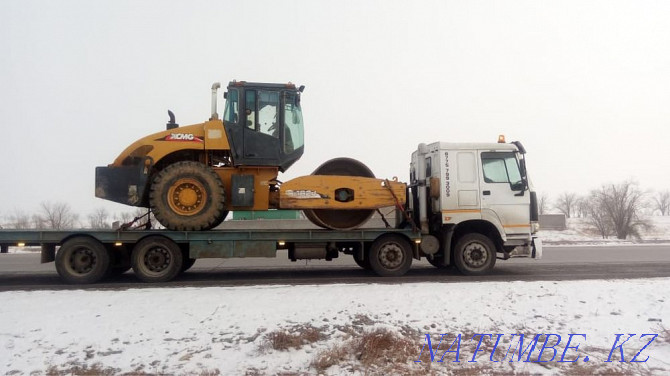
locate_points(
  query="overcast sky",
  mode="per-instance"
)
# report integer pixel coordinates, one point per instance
(585, 85)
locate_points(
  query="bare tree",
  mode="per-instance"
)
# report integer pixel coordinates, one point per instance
(661, 202)
(597, 215)
(38, 222)
(622, 205)
(582, 207)
(58, 216)
(566, 203)
(19, 220)
(543, 204)
(99, 219)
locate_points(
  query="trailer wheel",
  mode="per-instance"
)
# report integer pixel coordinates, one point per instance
(156, 259)
(475, 254)
(188, 263)
(118, 270)
(390, 256)
(364, 263)
(437, 262)
(82, 260)
(188, 196)
(120, 260)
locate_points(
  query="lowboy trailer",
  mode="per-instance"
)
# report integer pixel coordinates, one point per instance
(88, 256)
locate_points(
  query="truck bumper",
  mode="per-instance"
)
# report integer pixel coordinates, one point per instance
(124, 184)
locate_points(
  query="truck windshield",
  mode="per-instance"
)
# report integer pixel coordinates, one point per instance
(502, 167)
(293, 127)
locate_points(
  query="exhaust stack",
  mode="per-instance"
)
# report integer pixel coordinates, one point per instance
(215, 87)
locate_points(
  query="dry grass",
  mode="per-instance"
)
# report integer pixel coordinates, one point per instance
(325, 359)
(295, 337)
(98, 369)
(381, 346)
(377, 352)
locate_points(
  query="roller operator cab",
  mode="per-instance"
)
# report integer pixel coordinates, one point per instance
(473, 203)
(192, 176)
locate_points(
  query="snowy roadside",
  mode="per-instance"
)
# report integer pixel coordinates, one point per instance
(580, 233)
(335, 329)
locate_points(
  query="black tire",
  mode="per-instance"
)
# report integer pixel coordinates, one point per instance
(364, 263)
(156, 259)
(437, 262)
(82, 260)
(118, 270)
(188, 263)
(188, 196)
(474, 254)
(120, 260)
(390, 255)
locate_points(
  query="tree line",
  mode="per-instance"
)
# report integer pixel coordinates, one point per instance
(613, 209)
(61, 216)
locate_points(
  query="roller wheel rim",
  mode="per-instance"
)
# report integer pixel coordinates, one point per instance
(187, 196)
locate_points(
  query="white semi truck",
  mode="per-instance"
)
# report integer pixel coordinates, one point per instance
(467, 204)
(473, 203)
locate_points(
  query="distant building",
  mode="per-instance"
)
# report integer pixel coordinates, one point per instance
(552, 222)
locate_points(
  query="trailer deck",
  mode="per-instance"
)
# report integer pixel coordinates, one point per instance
(86, 256)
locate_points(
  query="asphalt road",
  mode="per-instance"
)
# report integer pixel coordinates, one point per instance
(24, 272)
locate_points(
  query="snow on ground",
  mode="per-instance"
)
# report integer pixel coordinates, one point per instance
(226, 330)
(235, 330)
(579, 232)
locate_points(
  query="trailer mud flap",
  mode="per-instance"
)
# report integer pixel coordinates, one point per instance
(232, 248)
(48, 253)
(537, 248)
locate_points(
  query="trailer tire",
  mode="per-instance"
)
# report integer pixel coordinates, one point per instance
(437, 262)
(188, 263)
(475, 254)
(156, 259)
(390, 255)
(363, 263)
(188, 196)
(82, 260)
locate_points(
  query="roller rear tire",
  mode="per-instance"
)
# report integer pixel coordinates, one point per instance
(188, 196)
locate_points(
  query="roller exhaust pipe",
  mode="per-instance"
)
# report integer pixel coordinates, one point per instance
(215, 88)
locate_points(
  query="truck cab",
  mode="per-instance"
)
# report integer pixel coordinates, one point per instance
(475, 201)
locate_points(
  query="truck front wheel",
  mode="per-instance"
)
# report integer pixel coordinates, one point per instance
(82, 260)
(187, 196)
(475, 254)
(156, 259)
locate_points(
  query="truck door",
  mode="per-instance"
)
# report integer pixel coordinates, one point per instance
(503, 193)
